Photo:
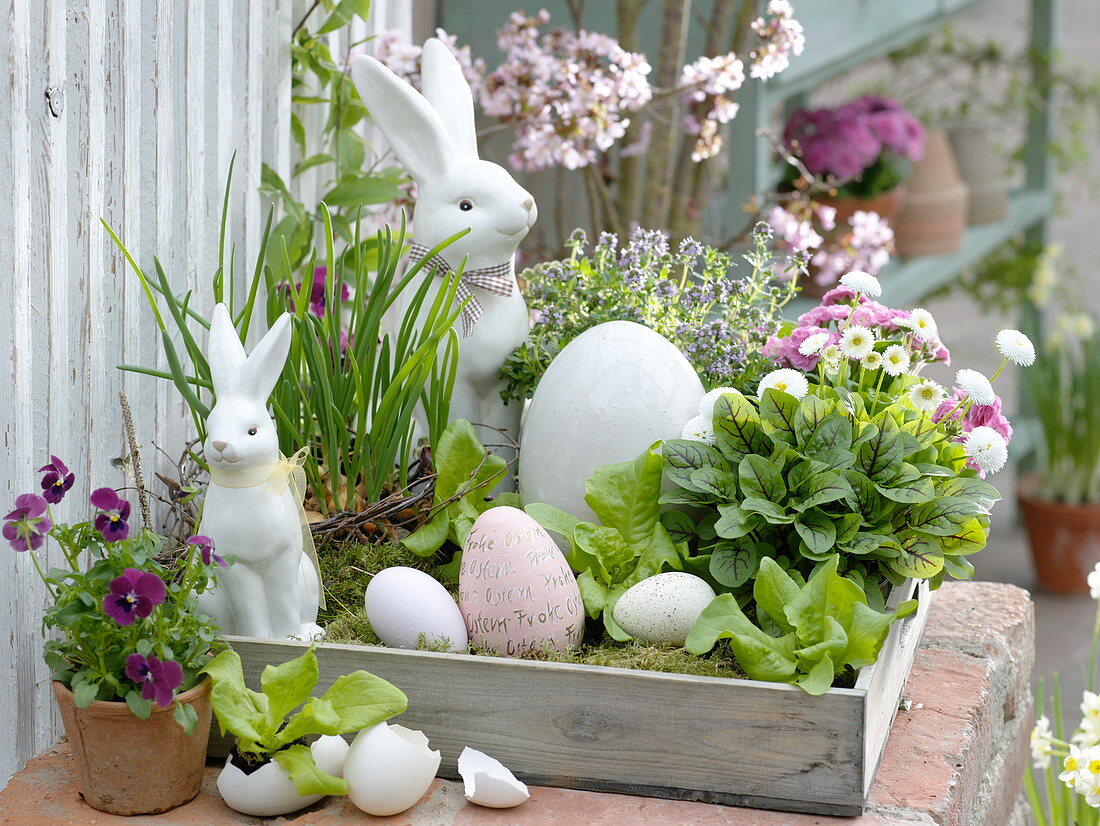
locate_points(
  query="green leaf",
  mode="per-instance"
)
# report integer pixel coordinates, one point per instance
(761, 656)
(429, 537)
(812, 412)
(881, 450)
(958, 567)
(773, 590)
(721, 483)
(240, 711)
(362, 191)
(820, 489)
(921, 556)
(625, 496)
(737, 427)
(140, 707)
(316, 717)
(185, 716)
(85, 692)
(982, 494)
(761, 479)
(777, 411)
(819, 679)
(688, 455)
(914, 491)
(362, 700)
(593, 594)
(834, 433)
(970, 538)
(462, 463)
(297, 761)
(735, 522)
(290, 684)
(943, 516)
(679, 526)
(553, 519)
(817, 530)
(826, 594)
(614, 558)
(865, 498)
(775, 514)
(733, 563)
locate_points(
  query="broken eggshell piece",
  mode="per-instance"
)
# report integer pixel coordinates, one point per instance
(269, 791)
(389, 768)
(488, 782)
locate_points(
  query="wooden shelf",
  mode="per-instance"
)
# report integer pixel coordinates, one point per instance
(906, 281)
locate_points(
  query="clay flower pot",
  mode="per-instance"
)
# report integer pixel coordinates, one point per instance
(887, 204)
(933, 219)
(982, 168)
(1065, 541)
(130, 766)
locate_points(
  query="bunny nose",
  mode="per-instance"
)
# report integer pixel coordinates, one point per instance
(529, 204)
(220, 446)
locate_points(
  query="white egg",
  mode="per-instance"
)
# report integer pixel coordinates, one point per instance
(487, 782)
(389, 768)
(269, 791)
(611, 393)
(404, 604)
(663, 608)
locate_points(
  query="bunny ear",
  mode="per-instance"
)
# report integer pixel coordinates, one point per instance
(265, 363)
(226, 353)
(410, 124)
(448, 91)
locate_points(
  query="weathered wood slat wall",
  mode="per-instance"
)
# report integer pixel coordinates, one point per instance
(150, 99)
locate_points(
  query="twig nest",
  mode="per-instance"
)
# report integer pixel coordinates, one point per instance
(269, 791)
(487, 782)
(405, 606)
(389, 768)
(662, 609)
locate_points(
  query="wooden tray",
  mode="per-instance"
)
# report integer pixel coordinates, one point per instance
(737, 742)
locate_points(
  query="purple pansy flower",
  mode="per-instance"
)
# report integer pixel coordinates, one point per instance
(133, 596)
(206, 547)
(112, 516)
(26, 526)
(158, 680)
(56, 480)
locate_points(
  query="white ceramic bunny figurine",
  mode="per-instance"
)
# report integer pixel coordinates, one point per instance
(272, 590)
(434, 137)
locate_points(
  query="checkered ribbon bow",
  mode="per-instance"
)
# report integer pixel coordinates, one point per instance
(496, 279)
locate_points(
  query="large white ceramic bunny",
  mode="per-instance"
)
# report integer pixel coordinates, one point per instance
(272, 590)
(434, 137)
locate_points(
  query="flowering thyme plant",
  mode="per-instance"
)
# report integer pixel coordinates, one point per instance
(129, 627)
(844, 452)
(721, 323)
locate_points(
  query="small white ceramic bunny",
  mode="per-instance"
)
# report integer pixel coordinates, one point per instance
(434, 137)
(250, 512)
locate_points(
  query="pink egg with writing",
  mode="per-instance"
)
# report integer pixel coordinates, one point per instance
(515, 589)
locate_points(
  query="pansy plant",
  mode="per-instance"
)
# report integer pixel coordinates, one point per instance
(128, 626)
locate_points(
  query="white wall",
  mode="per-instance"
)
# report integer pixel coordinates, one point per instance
(157, 95)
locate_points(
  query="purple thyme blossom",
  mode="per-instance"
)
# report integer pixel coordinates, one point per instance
(133, 596)
(112, 516)
(26, 526)
(158, 680)
(56, 480)
(206, 548)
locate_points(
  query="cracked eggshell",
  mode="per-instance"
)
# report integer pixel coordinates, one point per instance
(403, 603)
(609, 394)
(663, 608)
(488, 782)
(389, 768)
(515, 588)
(269, 791)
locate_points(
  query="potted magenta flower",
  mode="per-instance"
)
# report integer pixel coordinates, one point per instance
(864, 147)
(129, 648)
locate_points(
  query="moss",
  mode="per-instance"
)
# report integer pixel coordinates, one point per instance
(347, 568)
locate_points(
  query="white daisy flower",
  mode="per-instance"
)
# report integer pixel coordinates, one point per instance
(922, 324)
(1094, 582)
(976, 386)
(857, 341)
(1041, 746)
(699, 429)
(986, 448)
(706, 405)
(895, 360)
(862, 282)
(927, 396)
(789, 381)
(872, 361)
(1016, 347)
(831, 357)
(901, 322)
(812, 345)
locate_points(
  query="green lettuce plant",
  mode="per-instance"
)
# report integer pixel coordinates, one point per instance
(817, 628)
(267, 727)
(630, 543)
(886, 493)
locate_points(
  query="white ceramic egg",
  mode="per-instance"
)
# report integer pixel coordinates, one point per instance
(404, 604)
(389, 768)
(611, 393)
(487, 782)
(269, 791)
(662, 609)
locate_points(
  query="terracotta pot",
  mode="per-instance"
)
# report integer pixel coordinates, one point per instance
(130, 766)
(887, 204)
(933, 219)
(1065, 541)
(982, 168)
